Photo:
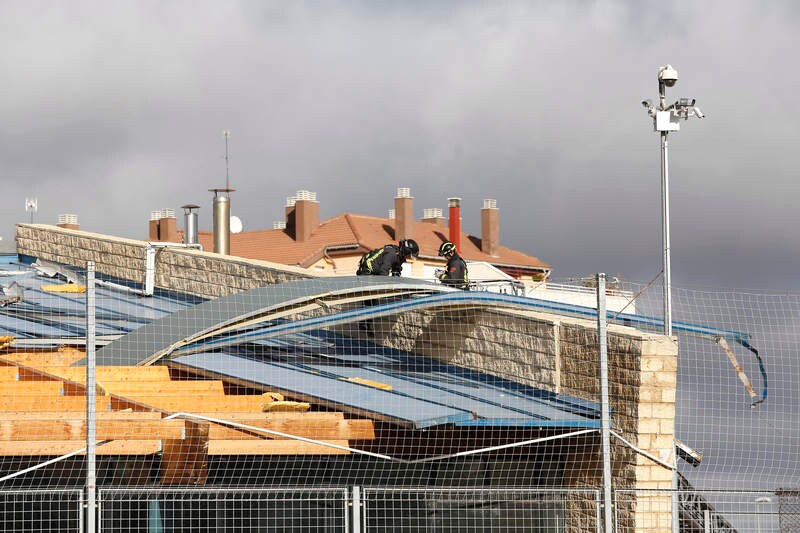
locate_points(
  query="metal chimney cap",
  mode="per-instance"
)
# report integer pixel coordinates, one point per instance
(454, 202)
(490, 203)
(403, 192)
(189, 207)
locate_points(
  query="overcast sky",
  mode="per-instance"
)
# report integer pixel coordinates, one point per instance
(113, 109)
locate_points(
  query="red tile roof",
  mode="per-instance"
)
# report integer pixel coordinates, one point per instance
(353, 234)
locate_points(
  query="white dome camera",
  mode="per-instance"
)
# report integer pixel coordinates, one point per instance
(668, 75)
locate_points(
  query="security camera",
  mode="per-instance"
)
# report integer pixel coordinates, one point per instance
(647, 103)
(668, 75)
(698, 113)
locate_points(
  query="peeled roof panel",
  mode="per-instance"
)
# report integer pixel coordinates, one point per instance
(162, 333)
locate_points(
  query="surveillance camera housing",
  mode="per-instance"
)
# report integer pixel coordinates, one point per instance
(647, 103)
(698, 113)
(668, 75)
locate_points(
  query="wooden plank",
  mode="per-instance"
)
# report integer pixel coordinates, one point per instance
(50, 403)
(56, 448)
(273, 447)
(122, 429)
(30, 388)
(103, 373)
(333, 429)
(186, 461)
(125, 388)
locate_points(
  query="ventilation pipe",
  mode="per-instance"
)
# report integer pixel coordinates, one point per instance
(222, 221)
(190, 223)
(403, 214)
(455, 221)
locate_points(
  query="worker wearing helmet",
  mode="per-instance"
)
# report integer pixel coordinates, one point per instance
(387, 260)
(455, 273)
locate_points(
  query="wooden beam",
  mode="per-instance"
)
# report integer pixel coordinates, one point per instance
(31, 388)
(64, 356)
(320, 429)
(273, 447)
(126, 388)
(102, 373)
(63, 447)
(121, 429)
(188, 403)
(78, 415)
(50, 403)
(186, 461)
(8, 373)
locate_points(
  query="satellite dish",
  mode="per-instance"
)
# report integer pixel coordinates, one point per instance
(236, 224)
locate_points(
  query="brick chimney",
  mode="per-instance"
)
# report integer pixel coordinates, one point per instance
(490, 228)
(152, 234)
(455, 221)
(68, 221)
(306, 215)
(403, 214)
(289, 226)
(433, 216)
(168, 226)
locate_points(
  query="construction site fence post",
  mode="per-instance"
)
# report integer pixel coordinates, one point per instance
(605, 420)
(91, 407)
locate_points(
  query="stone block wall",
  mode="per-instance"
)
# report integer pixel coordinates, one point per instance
(186, 270)
(560, 354)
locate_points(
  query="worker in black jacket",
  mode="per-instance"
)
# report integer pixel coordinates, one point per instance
(455, 273)
(387, 260)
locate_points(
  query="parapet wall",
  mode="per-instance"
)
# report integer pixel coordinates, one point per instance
(186, 270)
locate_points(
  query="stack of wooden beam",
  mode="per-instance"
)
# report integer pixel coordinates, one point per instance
(141, 410)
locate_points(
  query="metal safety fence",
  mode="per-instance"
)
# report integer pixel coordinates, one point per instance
(49, 511)
(221, 510)
(480, 510)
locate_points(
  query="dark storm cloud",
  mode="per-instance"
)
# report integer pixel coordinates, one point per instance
(113, 110)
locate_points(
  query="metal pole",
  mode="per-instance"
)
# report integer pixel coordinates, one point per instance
(605, 421)
(91, 406)
(356, 510)
(665, 233)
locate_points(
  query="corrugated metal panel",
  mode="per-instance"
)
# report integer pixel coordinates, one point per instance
(327, 390)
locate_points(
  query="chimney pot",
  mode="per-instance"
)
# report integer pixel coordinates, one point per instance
(433, 215)
(403, 214)
(68, 221)
(454, 205)
(306, 215)
(490, 228)
(153, 226)
(168, 225)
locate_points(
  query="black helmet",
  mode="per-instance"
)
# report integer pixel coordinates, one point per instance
(409, 247)
(447, 247)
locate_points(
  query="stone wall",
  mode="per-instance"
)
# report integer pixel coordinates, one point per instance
(560, 354)
(186, 270)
